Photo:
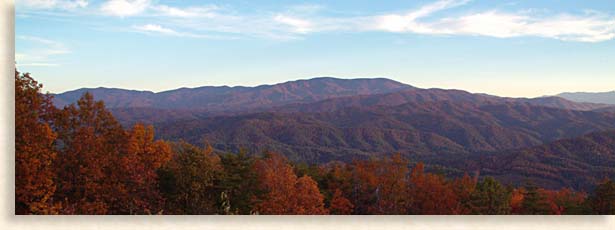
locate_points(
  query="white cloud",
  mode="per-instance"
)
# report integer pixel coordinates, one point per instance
(584, 28)
(297, 25)
(156, 28)
(305, 8)
(124, 8)
(590, 27)
(52, 4)
(40, 52)
(189, 12)
(299, 20)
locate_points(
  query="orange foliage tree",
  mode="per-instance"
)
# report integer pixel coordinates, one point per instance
(340, 205)
(431, 194)
(90, 175)
(564, 201)
(284, 192)
(516, 200)
(34, 152)
(142, 159)
(381, 186)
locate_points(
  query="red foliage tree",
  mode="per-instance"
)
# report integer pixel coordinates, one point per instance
(431, 194)
(142, 158)
(564, 201)
(516, 201)
(34, 151)
(284, 193)
(340, 205)
(90, 174)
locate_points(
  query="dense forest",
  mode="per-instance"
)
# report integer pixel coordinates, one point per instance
(80, 160)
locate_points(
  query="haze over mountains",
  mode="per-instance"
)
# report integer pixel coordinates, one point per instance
(328, 119)
(602, 97)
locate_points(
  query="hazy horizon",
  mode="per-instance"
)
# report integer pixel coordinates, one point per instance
(303, 79)
(511, 48)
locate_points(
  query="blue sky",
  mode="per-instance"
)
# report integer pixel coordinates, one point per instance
(520, 48)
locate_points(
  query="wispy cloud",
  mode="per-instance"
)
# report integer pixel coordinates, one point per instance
(40, 53)
(155, 29)
(296, 21)
(54, 4)
(188, 12)
(589, 27)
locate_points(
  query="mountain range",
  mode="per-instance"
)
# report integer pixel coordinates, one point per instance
(190, 103)
(602, 97)
(227, 99)
(328, 119)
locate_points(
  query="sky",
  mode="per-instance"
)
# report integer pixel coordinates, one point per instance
(517, 48)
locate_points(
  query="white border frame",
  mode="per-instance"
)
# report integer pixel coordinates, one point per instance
(9, 221)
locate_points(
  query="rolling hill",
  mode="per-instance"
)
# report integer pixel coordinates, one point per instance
(577, 163)
(340, 132)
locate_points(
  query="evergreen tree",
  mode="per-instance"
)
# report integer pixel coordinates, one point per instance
(239, 182)
(602, 200)
(534, 202)
(188, 182)
(490, 198)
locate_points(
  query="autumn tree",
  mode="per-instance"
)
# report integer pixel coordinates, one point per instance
(339, 205)
(308, 199)
(284, 193)
(490, 198)
(142, 159)
(431, 194)
(565, 201)
(516, 200)
(392, 190)
(336, 185)
(34, 151)
(380, 186)
(364, 187)
(464, 188)
(89, 169)
(188, 182)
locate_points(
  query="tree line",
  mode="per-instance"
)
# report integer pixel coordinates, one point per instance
(80, 160)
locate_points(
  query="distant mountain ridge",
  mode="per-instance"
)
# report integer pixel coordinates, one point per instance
(224, 98)
(148, 106)
(601, 97)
